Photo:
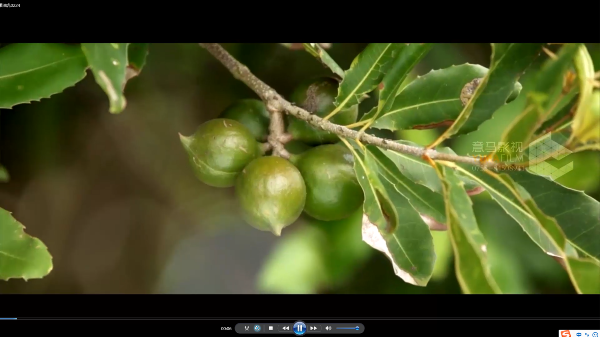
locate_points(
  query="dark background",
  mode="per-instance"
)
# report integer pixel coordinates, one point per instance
(114, 199)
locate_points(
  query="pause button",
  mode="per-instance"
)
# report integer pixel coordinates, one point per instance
(299, 328)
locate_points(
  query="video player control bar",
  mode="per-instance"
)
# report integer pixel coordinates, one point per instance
(299, 328)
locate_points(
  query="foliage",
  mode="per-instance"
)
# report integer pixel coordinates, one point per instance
(21, 256)
(405, 197)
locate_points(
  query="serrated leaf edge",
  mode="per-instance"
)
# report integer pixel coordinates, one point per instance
(43, 246)
(60, 92)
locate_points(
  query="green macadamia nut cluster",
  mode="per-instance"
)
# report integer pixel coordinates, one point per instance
(317, 179)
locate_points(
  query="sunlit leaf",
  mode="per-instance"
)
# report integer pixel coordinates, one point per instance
(443, 253)
(586, 123)
(560, 118)
(580, 270)
(411, 244)
(433, 99)
(548, 93)
(21, 256)
(317, 51)
(510, 203)
(585, 274)
(509, 62)
(589, 126)
(365, 73)
(400, 232)
(108, 62)
(576, 213)
(472, 267)
(420, 171)
(377, 206)
(33, 71)
(406, 59)
(424, 200)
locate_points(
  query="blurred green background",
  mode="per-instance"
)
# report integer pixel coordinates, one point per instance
(114, 199)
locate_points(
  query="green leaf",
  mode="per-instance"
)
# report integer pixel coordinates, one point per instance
(317, 51)
(21, 256)
(580, 270)
(433, 99)
(137, 53)
(509, 62)
(33, 71)
(576, 213)
(542, 99)
(472, 267)
(108, 62)
(443, 252)
(561, 117)
(585, 275)
(365, 73)
(4, 176)
(403, 63)
(377, 206)
(420, 171)
(588, 129)
(391, 225)
(508, 200)
(410, 246)
(586, 123)
(567, 99)
(421, 198)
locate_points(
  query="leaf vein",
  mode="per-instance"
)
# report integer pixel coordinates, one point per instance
(40, 67)
(417, 106)
(11, 256)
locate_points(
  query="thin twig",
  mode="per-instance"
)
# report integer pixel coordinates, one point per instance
(278, 103)
(277, 131)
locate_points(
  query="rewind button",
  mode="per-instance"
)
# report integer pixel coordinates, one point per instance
(313, 328)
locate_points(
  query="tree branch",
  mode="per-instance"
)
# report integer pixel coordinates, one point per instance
(277, 131)
(276, 102)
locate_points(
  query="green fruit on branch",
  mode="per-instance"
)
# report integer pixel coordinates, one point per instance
(251, 113)
(219, 150)
(332, 189)
(317, 97)
(271, 193)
